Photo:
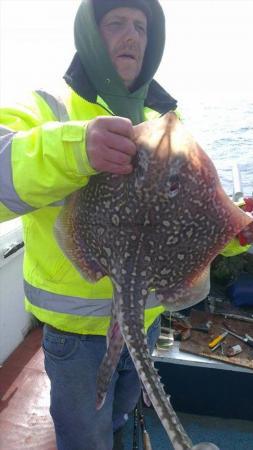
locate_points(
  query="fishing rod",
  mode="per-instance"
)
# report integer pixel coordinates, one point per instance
(145, 436)
(139, 424)
(136, 438)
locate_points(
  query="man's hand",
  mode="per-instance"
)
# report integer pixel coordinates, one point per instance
(110, 144)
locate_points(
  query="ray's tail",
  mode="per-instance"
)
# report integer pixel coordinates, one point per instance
(161, 403)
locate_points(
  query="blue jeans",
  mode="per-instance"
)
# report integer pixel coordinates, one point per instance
(71, 363)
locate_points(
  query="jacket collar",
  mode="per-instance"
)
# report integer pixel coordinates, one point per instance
(157, 98)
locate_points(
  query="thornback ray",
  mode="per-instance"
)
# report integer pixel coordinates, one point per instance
(158, 228)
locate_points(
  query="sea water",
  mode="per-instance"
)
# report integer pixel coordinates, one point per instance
(224, 128)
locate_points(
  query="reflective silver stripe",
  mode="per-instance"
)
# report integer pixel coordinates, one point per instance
(56, 105)
(74, 305)
(60, 111)
(152, 301)
(58, 203)
(4, 131)
(66, 304)
(8, 195)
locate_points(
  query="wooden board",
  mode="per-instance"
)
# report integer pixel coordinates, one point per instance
(198, 342)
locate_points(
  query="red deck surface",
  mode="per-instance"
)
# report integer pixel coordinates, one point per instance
(25, 422)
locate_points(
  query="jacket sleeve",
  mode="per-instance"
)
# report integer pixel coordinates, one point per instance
(42, 160)
(234, 248)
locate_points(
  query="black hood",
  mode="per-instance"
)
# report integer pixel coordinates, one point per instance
(157, 97)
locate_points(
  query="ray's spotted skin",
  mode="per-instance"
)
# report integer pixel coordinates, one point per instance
(156, 228)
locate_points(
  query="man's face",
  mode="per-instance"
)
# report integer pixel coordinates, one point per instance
(124, 31)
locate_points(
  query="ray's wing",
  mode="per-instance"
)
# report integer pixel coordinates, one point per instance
(69, 232)
(191, 219)
(186, 294)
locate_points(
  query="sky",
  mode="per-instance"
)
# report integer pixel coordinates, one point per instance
(208, 47)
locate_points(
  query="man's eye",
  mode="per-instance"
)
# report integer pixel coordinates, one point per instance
(141, 29)
(114, 24)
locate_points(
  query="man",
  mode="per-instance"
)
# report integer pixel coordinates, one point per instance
(51, 147)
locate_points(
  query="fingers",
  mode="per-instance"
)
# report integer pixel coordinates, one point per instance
(120, 143)
(116, 156)
(106, 159)
(118, 125)
(109, 144)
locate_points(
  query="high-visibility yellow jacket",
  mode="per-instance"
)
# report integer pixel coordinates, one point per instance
(43, 160)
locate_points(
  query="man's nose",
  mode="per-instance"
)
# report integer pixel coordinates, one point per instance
(131, 32)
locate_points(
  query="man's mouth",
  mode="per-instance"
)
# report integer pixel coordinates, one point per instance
(128, 56)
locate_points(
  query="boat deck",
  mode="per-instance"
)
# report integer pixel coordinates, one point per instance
(25, 422)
